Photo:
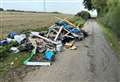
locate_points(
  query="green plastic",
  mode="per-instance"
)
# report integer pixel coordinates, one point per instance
(31, 55)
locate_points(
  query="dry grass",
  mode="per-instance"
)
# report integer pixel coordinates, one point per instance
(18, 21)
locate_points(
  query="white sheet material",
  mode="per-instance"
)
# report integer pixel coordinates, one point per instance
(38, 63)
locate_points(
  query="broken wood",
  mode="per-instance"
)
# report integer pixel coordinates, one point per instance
(45, 39)
(58, 33)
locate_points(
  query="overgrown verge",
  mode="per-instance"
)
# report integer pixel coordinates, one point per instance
(112, 39)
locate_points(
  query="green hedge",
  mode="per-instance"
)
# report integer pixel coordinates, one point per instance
(111, 19)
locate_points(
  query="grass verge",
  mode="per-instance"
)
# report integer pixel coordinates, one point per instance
(112, 39)
(12, 61)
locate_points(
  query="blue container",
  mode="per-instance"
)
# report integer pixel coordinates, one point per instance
(74, 30)
(12, 34)
(49, 55)
(3, 42)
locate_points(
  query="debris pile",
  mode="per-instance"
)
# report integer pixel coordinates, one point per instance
(43, 47)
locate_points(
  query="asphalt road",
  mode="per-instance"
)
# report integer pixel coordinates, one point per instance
(93, 61)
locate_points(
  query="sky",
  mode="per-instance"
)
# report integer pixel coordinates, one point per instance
(64, 6)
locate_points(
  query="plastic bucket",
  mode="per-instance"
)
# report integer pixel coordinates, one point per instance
(49, 55)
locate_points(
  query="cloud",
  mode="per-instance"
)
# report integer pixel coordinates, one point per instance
(48, 1)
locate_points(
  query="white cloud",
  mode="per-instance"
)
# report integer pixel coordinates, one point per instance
(67, 1)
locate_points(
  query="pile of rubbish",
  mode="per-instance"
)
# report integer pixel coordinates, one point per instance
(43, 47)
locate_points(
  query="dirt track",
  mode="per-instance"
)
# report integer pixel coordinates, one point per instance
(93, 61)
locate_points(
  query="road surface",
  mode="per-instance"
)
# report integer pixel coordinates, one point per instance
(93, 61)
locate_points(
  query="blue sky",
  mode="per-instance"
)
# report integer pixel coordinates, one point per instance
(64, 6)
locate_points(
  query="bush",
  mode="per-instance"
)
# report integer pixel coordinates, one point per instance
(77, 20)
(55, 12)
(10, 10)
(84, 14)
(13, 10)
(1, 9)
(111, 19)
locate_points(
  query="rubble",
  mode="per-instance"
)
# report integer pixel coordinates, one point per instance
(61, 34)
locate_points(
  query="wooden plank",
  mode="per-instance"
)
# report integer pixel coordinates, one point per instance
(58, 33)
(67, 22)
(45, 39)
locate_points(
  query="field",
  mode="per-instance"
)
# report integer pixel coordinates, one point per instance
(19, 21)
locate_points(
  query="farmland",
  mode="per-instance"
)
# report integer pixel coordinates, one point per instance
(19, 21)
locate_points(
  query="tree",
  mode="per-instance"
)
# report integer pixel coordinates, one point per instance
(1, 9)
(88, 4)
(108, 10)
(101, 6)
(10, 10)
